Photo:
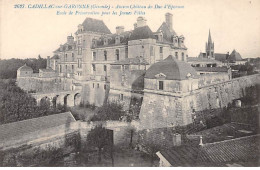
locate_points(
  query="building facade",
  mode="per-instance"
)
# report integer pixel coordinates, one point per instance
(138, 68)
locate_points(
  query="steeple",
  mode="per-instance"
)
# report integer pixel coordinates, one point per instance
(210, 47)
(209, 38)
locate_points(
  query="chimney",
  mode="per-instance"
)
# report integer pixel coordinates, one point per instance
(141, 21)
(70, 39)
(201, 143)
(48, 62)
(168, 20)
(177, 139)
(120, 29)
(135, 25)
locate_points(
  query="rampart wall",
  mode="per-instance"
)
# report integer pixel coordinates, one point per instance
(169, 109)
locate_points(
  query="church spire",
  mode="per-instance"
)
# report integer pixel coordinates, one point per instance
(210, 47)
(209, 39)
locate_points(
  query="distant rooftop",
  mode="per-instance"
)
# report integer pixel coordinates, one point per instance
(95, 25)
(25, 68)
(172, 68)
(211, 69)
(10, 130)
(215, 154)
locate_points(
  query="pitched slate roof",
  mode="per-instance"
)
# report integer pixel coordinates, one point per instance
(95, 25)
(240, 149)
(55, 57)
(172, 68)
(133, 61)
(15, 129)
(185, 156)
(124, 37)
(215, 154)
(25, 68)
(211, 69)
(235, 56)
(142, 33)
(167, 33)
(46, 70)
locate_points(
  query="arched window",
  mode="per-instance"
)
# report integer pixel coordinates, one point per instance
(117, 54)
(176, 55)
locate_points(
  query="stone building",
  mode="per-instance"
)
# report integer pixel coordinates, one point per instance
(138, 68)
(86, 58)
(212, 59)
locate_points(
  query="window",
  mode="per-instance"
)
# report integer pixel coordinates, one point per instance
(117, 54)
(66, 67)
(98, 85)
(93, 85)
(151, 51)
(72, 55)
(182, 56)
(94, 55)
(160, 85)
(105, 55)
(93, 67)
(72, 68)
(60, 68)
(176, 55)
(79, 63)
(105, 41)
(105, 68)
(105, 87)
(66, 55)
(161, 50)
(79, 50)
(121, 97)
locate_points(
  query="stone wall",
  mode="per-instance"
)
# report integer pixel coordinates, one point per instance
(39, 84)
(94, 92)
(168, 110)
(207, 79)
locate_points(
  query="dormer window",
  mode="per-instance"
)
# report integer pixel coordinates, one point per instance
(160, 36)
(117, 39)
(80, 28)
(94, 43)
(105, 41)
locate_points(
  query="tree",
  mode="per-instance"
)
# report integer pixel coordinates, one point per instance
(17, 105)
(109, 111)
(100, 137)
(151, 147)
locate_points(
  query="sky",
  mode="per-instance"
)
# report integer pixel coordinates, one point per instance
(234, 24)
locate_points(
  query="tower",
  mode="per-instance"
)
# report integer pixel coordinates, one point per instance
(210, 47)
